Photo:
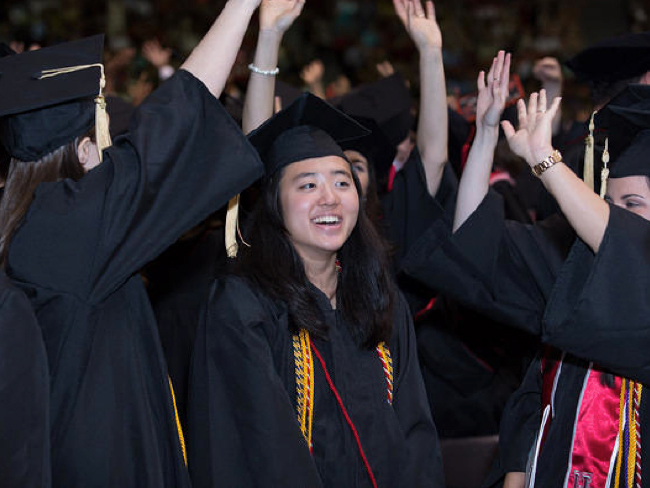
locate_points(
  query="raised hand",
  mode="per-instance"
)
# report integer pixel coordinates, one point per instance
(313, 72)
(155, 53)
(532, 140)
(493, 92)
(421, 26)
(278, 15)
(548, 71)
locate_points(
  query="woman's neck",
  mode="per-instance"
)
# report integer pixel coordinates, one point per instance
(323, 275)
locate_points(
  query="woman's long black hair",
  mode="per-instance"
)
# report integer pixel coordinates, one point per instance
(22, 179)
(365, 291)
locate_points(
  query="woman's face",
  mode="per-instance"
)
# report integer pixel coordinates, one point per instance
(360, 167)
(631, 193)
(320, 205)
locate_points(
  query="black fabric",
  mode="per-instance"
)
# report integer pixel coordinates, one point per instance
(613, 59)
(375, 147)
(40, 115)
(408, 210)
(503, 269)
(308, 128)
(77, 255)
(387, 101)
(243, 428)
(178, 284)
(598, 308)
(25, 391)
(634, 160)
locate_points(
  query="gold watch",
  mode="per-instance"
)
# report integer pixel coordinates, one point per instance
(546, 163)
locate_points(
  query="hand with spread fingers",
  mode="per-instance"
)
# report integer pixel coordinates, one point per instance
(278, 15)
(493, 91)
(421, 26)
(532, 140)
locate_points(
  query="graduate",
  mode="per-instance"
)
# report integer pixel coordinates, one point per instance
(79, 219)
(25, 391)
(518, 273)
(305, 370)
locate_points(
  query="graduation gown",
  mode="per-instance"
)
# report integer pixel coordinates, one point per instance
(408, 210)
(521, 277)
(77, 255)
(24, 389)
(243, 426)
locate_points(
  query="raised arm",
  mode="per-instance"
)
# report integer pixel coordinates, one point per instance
(491, 101)
(587, 213)
(276, 16)
(212, 59)
(432, 123)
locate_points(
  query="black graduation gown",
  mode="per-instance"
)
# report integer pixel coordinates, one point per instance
(77, 255)
(243, 429)
(408, 210)
(24, 390)
(520, 276)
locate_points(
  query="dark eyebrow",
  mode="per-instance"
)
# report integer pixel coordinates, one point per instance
(303, 175)
(341, 172)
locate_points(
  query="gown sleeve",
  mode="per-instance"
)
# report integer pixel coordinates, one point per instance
(411, 406)
(503, 269)
(24, 389)
(182, 158)
(243, 429)
(600, 305)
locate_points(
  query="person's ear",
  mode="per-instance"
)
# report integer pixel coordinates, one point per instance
(83, 150)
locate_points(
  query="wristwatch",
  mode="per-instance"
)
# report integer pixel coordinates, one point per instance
(546, 163)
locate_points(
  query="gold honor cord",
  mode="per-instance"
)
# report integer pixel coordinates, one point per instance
(179, 429)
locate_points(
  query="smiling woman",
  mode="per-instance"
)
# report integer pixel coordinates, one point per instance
(305, 367)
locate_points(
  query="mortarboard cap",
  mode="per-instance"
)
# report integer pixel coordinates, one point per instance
(375, 147)
(49, 97)
(387, 102)
(618, 58)
(634, 160)
(308, 128)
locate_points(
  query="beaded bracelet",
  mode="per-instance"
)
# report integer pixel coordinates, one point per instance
(263, 72)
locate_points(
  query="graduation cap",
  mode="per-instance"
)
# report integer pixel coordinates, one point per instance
(634, 161)
(613, 59)
(375, 147)
(50, 96)
(308, 128)
(628, 120)
(387, 102)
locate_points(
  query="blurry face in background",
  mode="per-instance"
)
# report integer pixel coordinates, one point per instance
(360, 167)
(631, 193)
(404, 149)
(320, 205)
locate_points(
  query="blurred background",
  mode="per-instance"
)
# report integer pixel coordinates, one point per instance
(350, 36)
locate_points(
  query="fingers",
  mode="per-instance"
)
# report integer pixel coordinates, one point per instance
(490, 75)
(480, 82)
(418, 10)
(541, 103)
(498, 66)
(532, 106)
(505, 73)
(555, 106)
(431, 10)
(401, 7)
(508, 129)
(522, 115)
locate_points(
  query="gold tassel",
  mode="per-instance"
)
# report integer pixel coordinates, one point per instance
(588, 170)
(604, 173)
(102, 134)
(232, 217)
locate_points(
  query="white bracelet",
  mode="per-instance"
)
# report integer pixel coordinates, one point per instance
(263, 72)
